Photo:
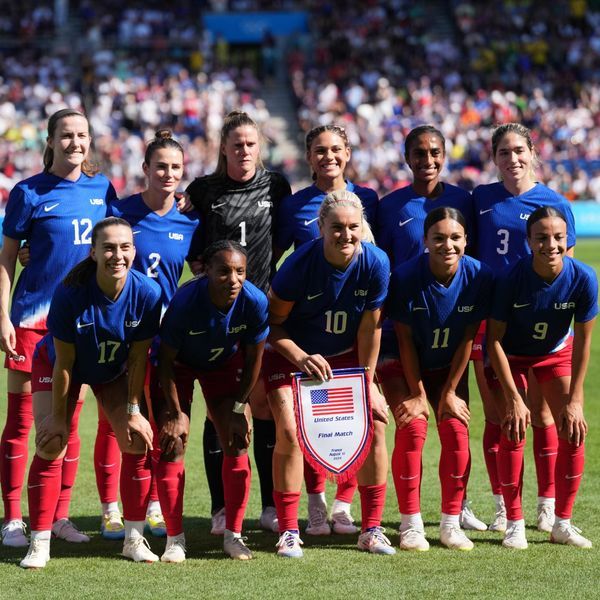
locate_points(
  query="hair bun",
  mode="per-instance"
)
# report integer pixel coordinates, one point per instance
(163, 134)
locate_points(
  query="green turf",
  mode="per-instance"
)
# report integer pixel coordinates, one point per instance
(332, 567)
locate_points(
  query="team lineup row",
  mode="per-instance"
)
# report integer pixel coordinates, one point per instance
(324, 311)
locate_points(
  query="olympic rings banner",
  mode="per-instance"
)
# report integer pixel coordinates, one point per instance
(333, 421)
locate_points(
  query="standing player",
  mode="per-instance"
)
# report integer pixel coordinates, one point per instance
(56, 211)
(436, 301)
(530, 332)
(239, 202)
(502, 210)
(214, 331)
(325, 310)
(327, 152)
(101, 322)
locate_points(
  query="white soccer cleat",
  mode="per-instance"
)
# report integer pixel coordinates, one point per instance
(63, 529)
(13, 534)
(545, 516)
(317, 520)
(268, 519)
(343, 523)
(570, 535)
(218, 523)
(288, 545)
(37, 556)
(500, 521)
(374, 541)
(174, 551)
(514, 537)
(453, 537)
(413, 539)
(138, 550)
(234, 545)
(468, 520)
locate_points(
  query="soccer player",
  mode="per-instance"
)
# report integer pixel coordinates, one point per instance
(56, 211)
(436, 301)
(214, 330)
(325, 309)
(327, 152)
(101, 322)
(529, 331)
(502, 210)
(239, 201)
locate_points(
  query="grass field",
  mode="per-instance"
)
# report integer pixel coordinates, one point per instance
(332, 567)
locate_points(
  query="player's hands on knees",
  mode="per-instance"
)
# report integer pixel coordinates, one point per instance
(516, 420)
(454, 406)
(8, 337)
(140, 425)
(410, 408)
(240, 431)
(572, 421)
(379, 406)
(316, 366)
(177, 427)
(49, 429)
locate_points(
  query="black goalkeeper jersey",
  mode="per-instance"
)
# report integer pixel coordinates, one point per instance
(244, 212)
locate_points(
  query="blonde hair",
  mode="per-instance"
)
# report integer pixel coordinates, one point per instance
(346, 199)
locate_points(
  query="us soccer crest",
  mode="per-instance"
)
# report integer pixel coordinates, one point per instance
(333, 421)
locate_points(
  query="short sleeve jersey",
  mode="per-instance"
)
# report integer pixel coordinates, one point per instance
(538, 314)
(56, 216)
(244, 212)
(103, 329)
(328, 302)
(439, 315)
(204, 336)
(299, 213)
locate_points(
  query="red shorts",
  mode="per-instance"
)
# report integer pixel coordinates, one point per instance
(545, 368)
(277, 369)
(41, 375)
(389, 367)
(478, 341)
(25, 347)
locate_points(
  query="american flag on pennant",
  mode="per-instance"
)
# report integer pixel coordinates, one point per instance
(336, 401)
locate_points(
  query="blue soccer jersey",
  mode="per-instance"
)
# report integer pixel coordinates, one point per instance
(538, 314)
(162, 243)
(204, 336)
(401, 215)
(328, 302)
(439, 315)
(103, 329)
(298, 214)
(501, 221)
(56, 216)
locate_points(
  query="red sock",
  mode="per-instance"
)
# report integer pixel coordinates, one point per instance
(13, 452)
(491, 443)
(314, 481)
(135, 485)
(569, 470)
(372, 502)
(454, 459)
(236, 485)
(286, 505)
(170, 479)
(345, 491)
(107, 461)
(43, 489)
(155, 459)
(510, 471)
(69, 466)
(407, 467)
(545, 450)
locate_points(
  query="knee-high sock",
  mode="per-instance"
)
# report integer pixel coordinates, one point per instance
(213, 465)
(454, 460)
(286, 505)
(43, 489)
(510, 471)
(313, 479)
(264, 443)
(569, 471)
(170, 480)
(155, 458)
(345, 491)
(545, 451)
(69, 466)
(236, 484)
(372, 502)
(491, 443)
(135, 485)
(107, 461)
(407, 467)
(13, 452)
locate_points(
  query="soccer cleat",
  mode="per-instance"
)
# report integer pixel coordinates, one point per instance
(453, 537)
(174, 551)
(317, 520)
(500, 521)
(514, 537)
(37, 556)
(374, 541)
(63, 529)
(570, 535)
(218, 523)
(342, 522)
(545, 516)
(233, 544)
(138, 550)
(268, 519)
(413, 539)
(13, 534)
(288, 545)
(112, 527)
(468, 520)
(155, 522)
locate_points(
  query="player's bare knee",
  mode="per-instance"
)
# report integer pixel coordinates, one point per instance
(51, 450)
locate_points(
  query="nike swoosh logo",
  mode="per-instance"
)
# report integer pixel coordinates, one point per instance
(71, 459)
(456, 476)
(29, 487)
(542, 454)
(416, 308)
(573, 476)
(213, 206)
(190, 332)
(270, 446)
(107, 466)
(408, 478)
(141, 478)
(136, 232)
(507, 484)
(315, 296)
(403, 223)
(521, 305)
(215, 451)
(52, 206)
(492, 450)
(487, 210)
(14, 457)
(307, 223)
(82, 325)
